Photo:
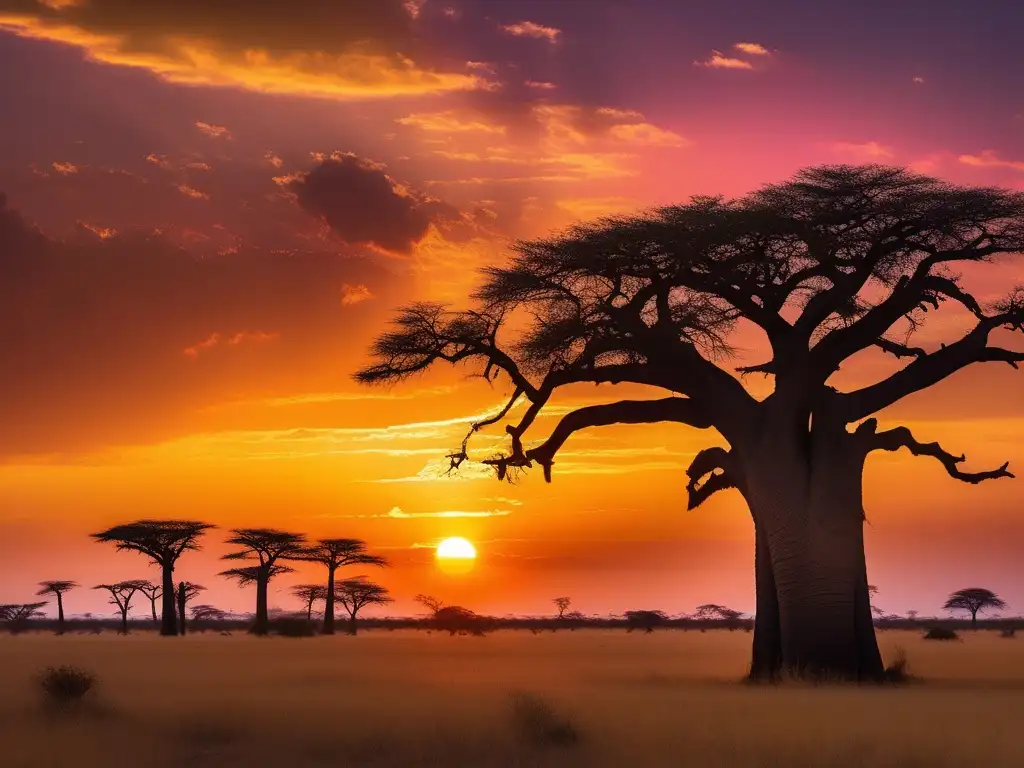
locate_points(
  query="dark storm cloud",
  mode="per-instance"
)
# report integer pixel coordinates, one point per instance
(120, 338)
(364, 206)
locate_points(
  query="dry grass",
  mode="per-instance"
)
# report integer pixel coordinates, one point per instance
(412, 699)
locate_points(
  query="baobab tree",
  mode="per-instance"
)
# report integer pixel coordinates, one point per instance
(355, 594)
(974, 600)
(121, 595)
(310, 594)
(837, 261)
(562, 605)
(184, 593)
(57, 588)
(152, 592)
(266, 546)
(163, 542)
(334, 554)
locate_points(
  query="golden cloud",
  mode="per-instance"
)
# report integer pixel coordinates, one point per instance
(647, 134)
(206, 57)
(532, 29)
(233, 340)
(870, 150)
(213, 131)
(753, 49)
(64, 169)
(989, 159)
(354, 294)
(719, 60)
(450, 121)
(195, 194)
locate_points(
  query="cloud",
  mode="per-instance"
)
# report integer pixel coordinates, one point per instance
(363, 205)
(918, 79)
(231, 340)
(619, 114)
(64, 169)
(719, 60)
(214, 131)
(273, 160)
(752, 49)
(339, 50)
(354, 294)
(647, 135)
(195, 194)
(870, 150)
(989, 159)
(450, 121)
(532, 29)
(540, 85)
(397, 513)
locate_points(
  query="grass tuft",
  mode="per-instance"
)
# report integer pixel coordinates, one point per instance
(537, 722)
(65, 688)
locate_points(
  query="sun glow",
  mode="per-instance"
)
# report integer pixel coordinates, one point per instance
(456, 548)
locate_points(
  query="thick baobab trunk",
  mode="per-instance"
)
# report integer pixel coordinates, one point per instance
(60, 614)
(807, 504)
(262, 624)
(168, 622)
(766, 661)
(329, 604)
(182, 599)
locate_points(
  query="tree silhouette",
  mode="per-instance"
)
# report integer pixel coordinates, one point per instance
(121, 595)
(334, 554)
(204, 613)
(355, 594)
(57, 588)
(184, 593)
(974, 600)
(455, 619)
(832, 263)
(645, 620)
(266, 546)
(562, 604)
(152, 592)
(17, 615)
(715, 612)
(163, 541)
(309, 594)
(912, 615)
(432, 604)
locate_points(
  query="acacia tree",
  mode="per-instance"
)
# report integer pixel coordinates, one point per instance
(832, 263)
(121, 595)
(310, 594)
(163, 541)
(335, 553)
(355, 594)
(431, 603)
(974, 600)
(562, 605)
(184, 593)
(266, 546)
(17, 615)
(57, 588)
(152, 592)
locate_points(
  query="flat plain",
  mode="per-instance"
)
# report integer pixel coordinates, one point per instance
(512, 698)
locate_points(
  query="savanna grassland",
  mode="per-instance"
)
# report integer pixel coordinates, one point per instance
(512, 698)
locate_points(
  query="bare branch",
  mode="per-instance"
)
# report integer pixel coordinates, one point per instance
(712, 470)
(901, 437)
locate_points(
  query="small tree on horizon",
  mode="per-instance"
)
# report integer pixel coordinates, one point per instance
(335, 554)
(309, 594)
(260, 575)
(562, 605)
(57, 588)
(355, 594)
(163, 542)
(184, 593)
(974, 600)
(121, 595)
(645, 620)
(431, 603)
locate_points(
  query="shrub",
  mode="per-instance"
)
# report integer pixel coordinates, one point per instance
(537, 722)
(293, 627)
(1008, 632)
(898, 672)
(941, 633)
(65, 687)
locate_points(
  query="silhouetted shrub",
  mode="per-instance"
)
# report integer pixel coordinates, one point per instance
(941, 633)
(537, 722)
(898, 672)
(65, 687)
(292, 627)
(1008, 632)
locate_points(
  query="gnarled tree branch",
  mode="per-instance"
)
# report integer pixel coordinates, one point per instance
(712, 470)
(901, 437)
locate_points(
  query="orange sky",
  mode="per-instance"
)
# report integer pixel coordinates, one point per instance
(209, 217)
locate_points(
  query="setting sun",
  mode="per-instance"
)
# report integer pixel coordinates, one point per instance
(456, 548)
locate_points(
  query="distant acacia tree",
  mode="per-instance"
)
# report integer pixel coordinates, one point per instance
(57, 588)
(562, 605)
(207, 613)
(152, 592)
(310, 594)
(121, 595)
(184, 593)
(835, 262)
(974, 600)
(266, 546)
(715, 612)
(455, 619)
(163, 542)
(912, 615)
(17, 615)
(335, 554)
(431, 603)
(645, 620)
(355, 594)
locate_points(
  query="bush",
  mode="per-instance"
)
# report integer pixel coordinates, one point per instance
(289, 627)
(1008, 632)
(898, 672)
(537, 722)
(66, 687)
(941, 633)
